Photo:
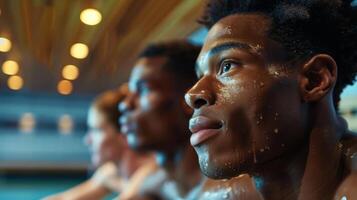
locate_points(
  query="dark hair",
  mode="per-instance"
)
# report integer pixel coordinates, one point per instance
(107, 104)
(304, 28)
(181, 58)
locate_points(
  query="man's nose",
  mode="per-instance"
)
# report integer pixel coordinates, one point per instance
(126, 104)
(201, 94)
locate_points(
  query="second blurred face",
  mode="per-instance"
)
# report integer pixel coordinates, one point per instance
(153, 117)
(103, 139)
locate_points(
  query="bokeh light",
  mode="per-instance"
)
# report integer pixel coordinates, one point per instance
(10, 67)
(91, 16)
(65, 124)
(64, 87)
(79, 50)
(70, 72)
(27, 123)
(15, 82)
(5, 44)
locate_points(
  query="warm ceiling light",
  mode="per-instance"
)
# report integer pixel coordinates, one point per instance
(15, 82)
(10, 67)
(91, 16)
(70, 72)
(79, 50)
(5, 44)
(65, 87)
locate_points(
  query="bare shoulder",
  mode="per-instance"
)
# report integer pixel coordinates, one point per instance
(240, 187)
(347, 189)
(349, 148)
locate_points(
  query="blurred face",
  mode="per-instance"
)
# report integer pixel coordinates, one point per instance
(153, 116)
(104, 141)
(247, 106)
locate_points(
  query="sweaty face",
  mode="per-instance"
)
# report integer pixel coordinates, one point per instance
(247, 106)
(153, 118)
(103, 140)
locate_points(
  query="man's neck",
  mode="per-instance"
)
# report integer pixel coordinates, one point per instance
(311, 172)
(130, 162)
(181, 167)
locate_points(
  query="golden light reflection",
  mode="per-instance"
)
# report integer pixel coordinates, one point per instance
(65, 124)
(79, 50)
(27, 123)
(70, 72)
(15, 82)
(91, 16)
(10, 67)
(64, 87)
(5, 44)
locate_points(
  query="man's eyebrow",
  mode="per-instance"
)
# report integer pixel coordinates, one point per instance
(225, 46)
(230, 45)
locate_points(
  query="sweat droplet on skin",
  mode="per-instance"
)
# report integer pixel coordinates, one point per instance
(276, 130)
(228, 30)
(276, 116)
(340, 145)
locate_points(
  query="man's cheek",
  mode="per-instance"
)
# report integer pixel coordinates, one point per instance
(97, 141)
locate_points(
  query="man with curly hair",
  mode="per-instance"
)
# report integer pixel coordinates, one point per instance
(270, 77)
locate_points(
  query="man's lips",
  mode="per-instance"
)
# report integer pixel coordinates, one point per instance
(125, 125)
(203, 128)
(125, 129)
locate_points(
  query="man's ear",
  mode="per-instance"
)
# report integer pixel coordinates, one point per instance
(318, 77)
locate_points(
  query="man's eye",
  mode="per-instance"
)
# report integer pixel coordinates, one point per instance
(226, 66)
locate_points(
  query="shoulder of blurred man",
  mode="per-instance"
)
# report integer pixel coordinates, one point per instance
(140, 181)
(107, 176)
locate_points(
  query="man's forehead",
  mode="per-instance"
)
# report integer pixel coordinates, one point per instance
(245, 30)
(147, 69)
(249, 28)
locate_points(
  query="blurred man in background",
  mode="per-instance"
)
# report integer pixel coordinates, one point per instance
(155, 118)
(114, 161)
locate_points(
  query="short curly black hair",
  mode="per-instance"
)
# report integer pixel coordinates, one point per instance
(181, 56)
(304, 28)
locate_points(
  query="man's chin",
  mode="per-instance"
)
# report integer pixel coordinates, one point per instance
(223, 170)
(140, 144)
(133, 142)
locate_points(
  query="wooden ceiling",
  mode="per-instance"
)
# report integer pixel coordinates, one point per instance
(42, 32)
